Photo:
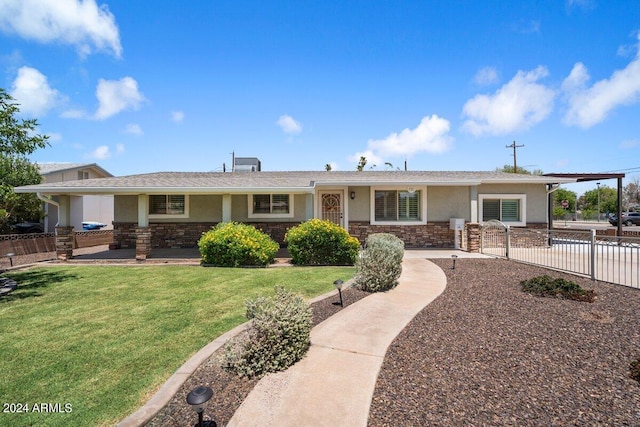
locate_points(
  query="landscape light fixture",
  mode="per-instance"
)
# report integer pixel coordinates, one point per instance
(454, 258)
(338, 284)
(198, 398)
(10, 256)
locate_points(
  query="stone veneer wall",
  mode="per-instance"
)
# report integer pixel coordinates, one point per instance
(431, 235)
(185, 234)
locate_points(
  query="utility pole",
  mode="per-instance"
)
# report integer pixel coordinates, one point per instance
(515, 161)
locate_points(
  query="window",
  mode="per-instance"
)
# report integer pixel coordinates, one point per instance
(397, 206)
(270, 205)
(168, 205)
(83, 175)
(508, 208)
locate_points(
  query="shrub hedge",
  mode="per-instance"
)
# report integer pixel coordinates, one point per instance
(380, 263)
(546, 286)
(318, 242)
(233, 244)
(278, 336)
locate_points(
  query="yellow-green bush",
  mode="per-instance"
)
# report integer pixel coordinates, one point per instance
(233, 244)
(317, 242)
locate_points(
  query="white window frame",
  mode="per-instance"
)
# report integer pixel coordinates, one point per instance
(162, 216)
(423, 205)
(250, 213)
(523, 207)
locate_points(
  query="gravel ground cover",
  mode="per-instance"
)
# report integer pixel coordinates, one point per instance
(229, 390)
(484, 353)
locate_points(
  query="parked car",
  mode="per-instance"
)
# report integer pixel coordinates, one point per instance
(28, 227)
(92, 225)
(629, 218)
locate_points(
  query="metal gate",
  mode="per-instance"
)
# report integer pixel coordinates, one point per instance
(606, 258)
(493, 239)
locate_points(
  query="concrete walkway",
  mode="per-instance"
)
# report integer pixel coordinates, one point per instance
(333, 385)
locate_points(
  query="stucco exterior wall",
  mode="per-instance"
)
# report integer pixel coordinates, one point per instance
(359, 207)
(536, 198)
(125, 208)
(444, 203)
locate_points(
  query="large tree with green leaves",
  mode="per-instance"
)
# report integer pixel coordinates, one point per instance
(604, 199)
(559, 196)
(520, 170)
(18, 139)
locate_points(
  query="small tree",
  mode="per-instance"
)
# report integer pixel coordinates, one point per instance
(362, 163)
(17, 140)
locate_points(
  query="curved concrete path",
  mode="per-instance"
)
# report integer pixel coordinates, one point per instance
(334, 383)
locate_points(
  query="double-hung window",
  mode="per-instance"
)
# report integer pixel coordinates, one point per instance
(168, 205)
(390, 205)
(270, 205)
(507, 208)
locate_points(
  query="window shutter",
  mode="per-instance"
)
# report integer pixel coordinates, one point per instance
(280, 203)
(175, 204)
(261, 203)
(157, 205)
(510, 210)
(386, 205)
(490, 209)
(409, 206)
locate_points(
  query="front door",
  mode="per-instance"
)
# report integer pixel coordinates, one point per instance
(331, 207)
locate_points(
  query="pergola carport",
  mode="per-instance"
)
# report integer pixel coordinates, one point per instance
(585, 177)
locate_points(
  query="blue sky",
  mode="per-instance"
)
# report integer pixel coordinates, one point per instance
(177, 86)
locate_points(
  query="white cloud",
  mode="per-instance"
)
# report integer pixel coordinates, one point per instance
(32, 91)
(486, 76)
(431, 135)
(133, 129)
(518, 105)
(119, 148)
(372, 158)
(82, 24)
(177, 116)
(101, 153)
(73, 114)
(115, 96)
(589, 106)
(289, 125)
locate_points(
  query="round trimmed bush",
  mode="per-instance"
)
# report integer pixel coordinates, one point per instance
(318, 242)
(278, 335)
(380, 263)
(233, 244)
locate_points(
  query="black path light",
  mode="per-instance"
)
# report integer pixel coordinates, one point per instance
(338, 284)
(10, 256)
(454, 258)
(198, 398)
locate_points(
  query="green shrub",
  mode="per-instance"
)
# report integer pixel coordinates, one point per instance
(546, 286)
(380, 263)
(232, 244)
(278, 336)
(317, 242)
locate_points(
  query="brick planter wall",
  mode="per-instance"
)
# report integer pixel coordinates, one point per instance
(185, 235)
(431, 235)
(143, 243)
(64, 242)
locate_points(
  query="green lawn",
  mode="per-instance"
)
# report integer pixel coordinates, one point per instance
(102, 339)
